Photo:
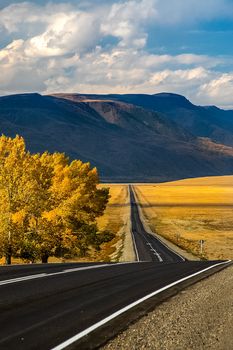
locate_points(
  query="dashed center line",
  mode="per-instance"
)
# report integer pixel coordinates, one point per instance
(154, 251)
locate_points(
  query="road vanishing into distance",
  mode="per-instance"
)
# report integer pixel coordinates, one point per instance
(80, 306)
(148, 247)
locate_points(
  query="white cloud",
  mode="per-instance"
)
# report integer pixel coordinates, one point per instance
(126, 20)
(23, 17)
(67, 33)
(67, 48)
(218, 90)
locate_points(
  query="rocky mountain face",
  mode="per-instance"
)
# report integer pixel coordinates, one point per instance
(207, 121)
(128, 137)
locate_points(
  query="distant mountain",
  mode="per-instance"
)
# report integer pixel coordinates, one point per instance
(208, 121)
(125, 140)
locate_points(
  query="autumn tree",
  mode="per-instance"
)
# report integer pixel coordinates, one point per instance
(48, 205)
(14, 193)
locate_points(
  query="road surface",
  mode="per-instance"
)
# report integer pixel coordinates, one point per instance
(148, 247)
(80, 306)
(55, 304)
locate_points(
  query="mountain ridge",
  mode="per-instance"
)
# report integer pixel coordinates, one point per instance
(201, 121)
(126, 141)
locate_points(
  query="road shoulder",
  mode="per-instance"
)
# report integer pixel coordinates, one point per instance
(199, 317)
(128, 253)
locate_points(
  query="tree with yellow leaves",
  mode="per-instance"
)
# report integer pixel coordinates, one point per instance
(48, 205)
(14, 195)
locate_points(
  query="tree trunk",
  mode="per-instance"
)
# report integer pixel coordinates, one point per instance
(9, 250)
(8, 259)
(44, 259)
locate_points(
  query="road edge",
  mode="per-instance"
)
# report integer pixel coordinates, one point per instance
(101, 335)
(128, 250)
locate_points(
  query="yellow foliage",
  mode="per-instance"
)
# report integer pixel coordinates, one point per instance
(19, 217)
(50, 215)
(46, 202)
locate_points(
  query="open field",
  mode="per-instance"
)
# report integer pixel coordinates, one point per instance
(187, 211)
(113, 220)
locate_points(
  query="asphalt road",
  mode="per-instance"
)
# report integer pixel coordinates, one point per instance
(43, 312)
(80, 306)
(148, 247)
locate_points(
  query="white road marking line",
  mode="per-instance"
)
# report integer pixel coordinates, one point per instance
(152, 248)
(76, 269)
(21, 279)
(173, 251)
(158, 256)
(87, 268)
(42, 275)
(135, 246)
(128, 307)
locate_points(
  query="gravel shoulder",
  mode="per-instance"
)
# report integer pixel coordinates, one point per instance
(200, 317)
(128, 253)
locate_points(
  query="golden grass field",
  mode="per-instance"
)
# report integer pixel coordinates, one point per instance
(187, 211)
(113, 219)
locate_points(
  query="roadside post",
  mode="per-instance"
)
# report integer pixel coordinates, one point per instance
(201, 245)
(177, 238)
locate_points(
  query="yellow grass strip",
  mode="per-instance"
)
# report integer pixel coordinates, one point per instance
(113, 221)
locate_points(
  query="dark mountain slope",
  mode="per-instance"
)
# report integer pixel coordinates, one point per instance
(211, 122)
(126, 142)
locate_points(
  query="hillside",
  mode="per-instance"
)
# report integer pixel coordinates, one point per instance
(126, 142)
(207, 121)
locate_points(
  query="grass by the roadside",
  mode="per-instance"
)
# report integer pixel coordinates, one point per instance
(113, 219)
(187, 211)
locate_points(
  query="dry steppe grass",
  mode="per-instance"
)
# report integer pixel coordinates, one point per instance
(187, 211)
(113, 220)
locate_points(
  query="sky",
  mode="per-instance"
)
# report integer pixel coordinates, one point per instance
(119, 46)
